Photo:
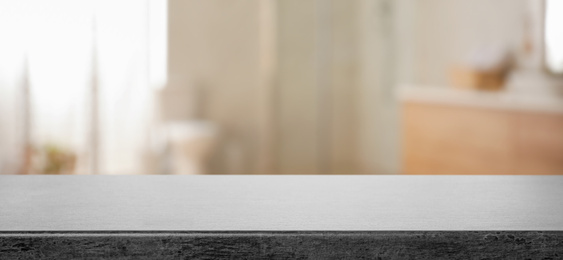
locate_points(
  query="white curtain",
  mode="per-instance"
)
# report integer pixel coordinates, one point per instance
(64, 43)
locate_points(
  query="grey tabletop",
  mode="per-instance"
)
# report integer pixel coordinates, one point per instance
(280, 203)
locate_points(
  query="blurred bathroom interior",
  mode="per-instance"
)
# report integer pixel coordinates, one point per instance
(281, 87)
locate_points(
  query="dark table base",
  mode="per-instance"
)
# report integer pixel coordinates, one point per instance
(283, 245)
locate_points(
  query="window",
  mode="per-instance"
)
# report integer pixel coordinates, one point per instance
(554, 35)
(62, 48)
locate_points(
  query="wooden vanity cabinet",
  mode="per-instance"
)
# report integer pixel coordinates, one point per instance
(453, 139)
(539, 143)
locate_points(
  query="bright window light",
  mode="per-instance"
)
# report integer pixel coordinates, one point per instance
(554, 35)
(158, 33)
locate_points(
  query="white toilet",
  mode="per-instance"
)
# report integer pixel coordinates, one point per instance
(189, 139)
(190, 146)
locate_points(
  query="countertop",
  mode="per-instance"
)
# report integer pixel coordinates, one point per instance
(281, 217)
(270, 203)
(503, 99)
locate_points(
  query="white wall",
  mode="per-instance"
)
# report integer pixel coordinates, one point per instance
(215, 45)
(445, 30)
(336, 110)
(297, 103)
(332, 109)
(318, 86)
